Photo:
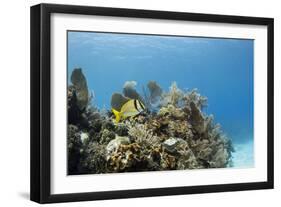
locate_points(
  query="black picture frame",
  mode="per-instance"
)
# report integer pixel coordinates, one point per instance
(41, 99)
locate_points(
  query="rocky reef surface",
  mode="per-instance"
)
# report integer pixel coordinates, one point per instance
(172, 133)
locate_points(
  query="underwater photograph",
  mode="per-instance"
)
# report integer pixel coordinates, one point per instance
(145, 102)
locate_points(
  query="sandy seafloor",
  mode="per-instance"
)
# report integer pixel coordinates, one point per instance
(243, 157)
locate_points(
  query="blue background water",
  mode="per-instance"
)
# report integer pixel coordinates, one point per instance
(221, 69)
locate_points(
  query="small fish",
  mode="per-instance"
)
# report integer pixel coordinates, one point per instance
(130, 109)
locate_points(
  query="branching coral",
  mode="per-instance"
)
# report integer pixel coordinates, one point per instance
(94, 160)
(142, 135)
(174, 96)
(194, 97)
(107, 136)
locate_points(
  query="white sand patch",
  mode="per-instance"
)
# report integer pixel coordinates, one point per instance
(243, 157)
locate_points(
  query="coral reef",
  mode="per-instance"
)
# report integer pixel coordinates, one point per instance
(74, 146)
(94, 159)
(175, 135)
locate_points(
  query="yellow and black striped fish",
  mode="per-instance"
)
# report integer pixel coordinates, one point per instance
(130, 109)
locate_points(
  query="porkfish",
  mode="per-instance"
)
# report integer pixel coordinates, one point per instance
(130, 109)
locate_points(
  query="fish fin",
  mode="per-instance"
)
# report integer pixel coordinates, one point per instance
(118, 100)
(117, 115)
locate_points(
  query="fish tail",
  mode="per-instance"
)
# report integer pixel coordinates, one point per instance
(117, 115)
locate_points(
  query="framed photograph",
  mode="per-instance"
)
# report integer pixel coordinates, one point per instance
(133, 103)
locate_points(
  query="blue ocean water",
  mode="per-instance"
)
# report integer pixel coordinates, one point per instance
(221, 69)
